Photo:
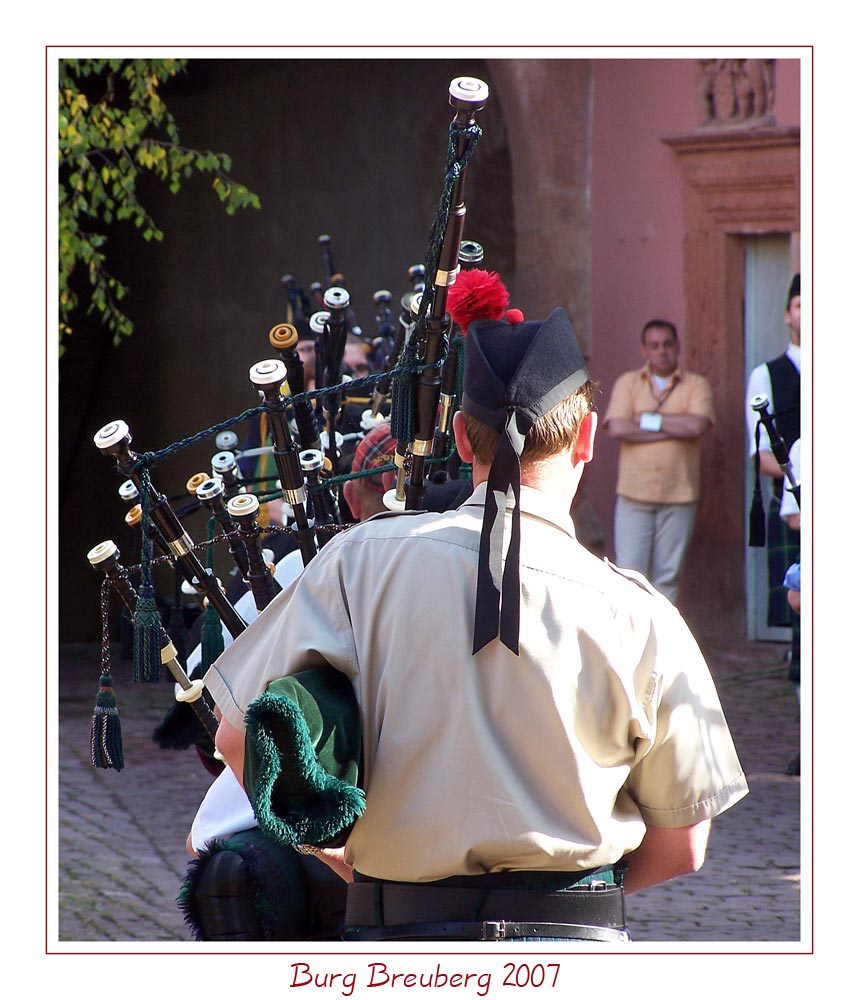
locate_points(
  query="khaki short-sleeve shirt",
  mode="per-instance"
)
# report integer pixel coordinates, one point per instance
(660, 471)
(554, 759)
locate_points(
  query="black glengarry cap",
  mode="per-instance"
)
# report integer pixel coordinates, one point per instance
(514, 374)
(793, 291)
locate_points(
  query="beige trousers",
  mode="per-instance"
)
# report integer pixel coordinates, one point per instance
(652, 538)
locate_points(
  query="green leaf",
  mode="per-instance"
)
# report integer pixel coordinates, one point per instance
(103, 142)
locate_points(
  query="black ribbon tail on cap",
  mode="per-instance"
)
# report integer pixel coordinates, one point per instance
(510, 584)
(497, 603)
(488, 604)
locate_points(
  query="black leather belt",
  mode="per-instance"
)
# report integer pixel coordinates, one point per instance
(377, 909)
(486, 930)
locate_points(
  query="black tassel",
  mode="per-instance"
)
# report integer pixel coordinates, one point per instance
(106, 730)
(147, 637)
(211, 638)
(757, 517)
(148, 628)
(757, 520)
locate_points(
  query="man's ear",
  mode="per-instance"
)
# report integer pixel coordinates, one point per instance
(463, 445)
(350, 495)
(583, 450)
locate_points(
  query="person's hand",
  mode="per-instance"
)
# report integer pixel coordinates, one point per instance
(331, 856)
(793, 600)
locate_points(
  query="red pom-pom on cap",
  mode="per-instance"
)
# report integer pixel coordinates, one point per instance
(476, 295)
(515, 316)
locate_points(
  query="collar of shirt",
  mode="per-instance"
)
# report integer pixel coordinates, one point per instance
(794, 355)
(535, 503)
(660, 395)
(675, 376)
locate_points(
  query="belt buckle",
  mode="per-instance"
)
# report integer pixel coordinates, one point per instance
(598, 885)
(493, 930)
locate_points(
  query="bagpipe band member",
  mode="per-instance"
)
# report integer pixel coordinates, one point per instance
(534, 721)
(243, 884)
(780, 381)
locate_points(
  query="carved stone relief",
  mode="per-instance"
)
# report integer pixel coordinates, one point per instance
(736, 93)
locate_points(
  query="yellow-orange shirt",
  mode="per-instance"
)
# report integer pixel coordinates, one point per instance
(660, 471)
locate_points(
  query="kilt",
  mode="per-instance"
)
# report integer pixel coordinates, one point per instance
(782, 551)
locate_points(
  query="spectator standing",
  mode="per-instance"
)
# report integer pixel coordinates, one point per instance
(659, 413)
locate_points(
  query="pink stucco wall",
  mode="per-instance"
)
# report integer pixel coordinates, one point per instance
(637, 220)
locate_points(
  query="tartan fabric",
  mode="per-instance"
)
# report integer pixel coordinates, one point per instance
(792, 581)
(375, 450)
(793, 671)
(546, 881)
(782, 550)
(245, 888)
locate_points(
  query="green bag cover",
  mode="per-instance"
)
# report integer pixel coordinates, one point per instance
(303, 758)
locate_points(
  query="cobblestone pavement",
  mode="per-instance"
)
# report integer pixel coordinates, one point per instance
(121, 835)
(749, 887)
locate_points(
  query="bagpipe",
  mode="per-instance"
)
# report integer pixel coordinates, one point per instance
(413, 381)
(313, 411)
(757, 517)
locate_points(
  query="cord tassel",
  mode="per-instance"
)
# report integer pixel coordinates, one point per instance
(147, 620)
(757, 517)
(105, 736)
(211, 638)
(147, 637)
(757, 520)
(106, 729)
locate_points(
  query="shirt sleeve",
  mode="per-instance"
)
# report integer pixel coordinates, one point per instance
(306, 625)
(687, 769)
(793, 577)
(225, 810)
(620, 403)
(759, 384)
(701, 402)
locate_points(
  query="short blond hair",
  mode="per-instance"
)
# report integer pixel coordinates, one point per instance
(554, 432)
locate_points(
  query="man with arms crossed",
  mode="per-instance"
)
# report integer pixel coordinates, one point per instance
(659, 413)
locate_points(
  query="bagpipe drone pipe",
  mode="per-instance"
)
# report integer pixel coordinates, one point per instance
(757, 517)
